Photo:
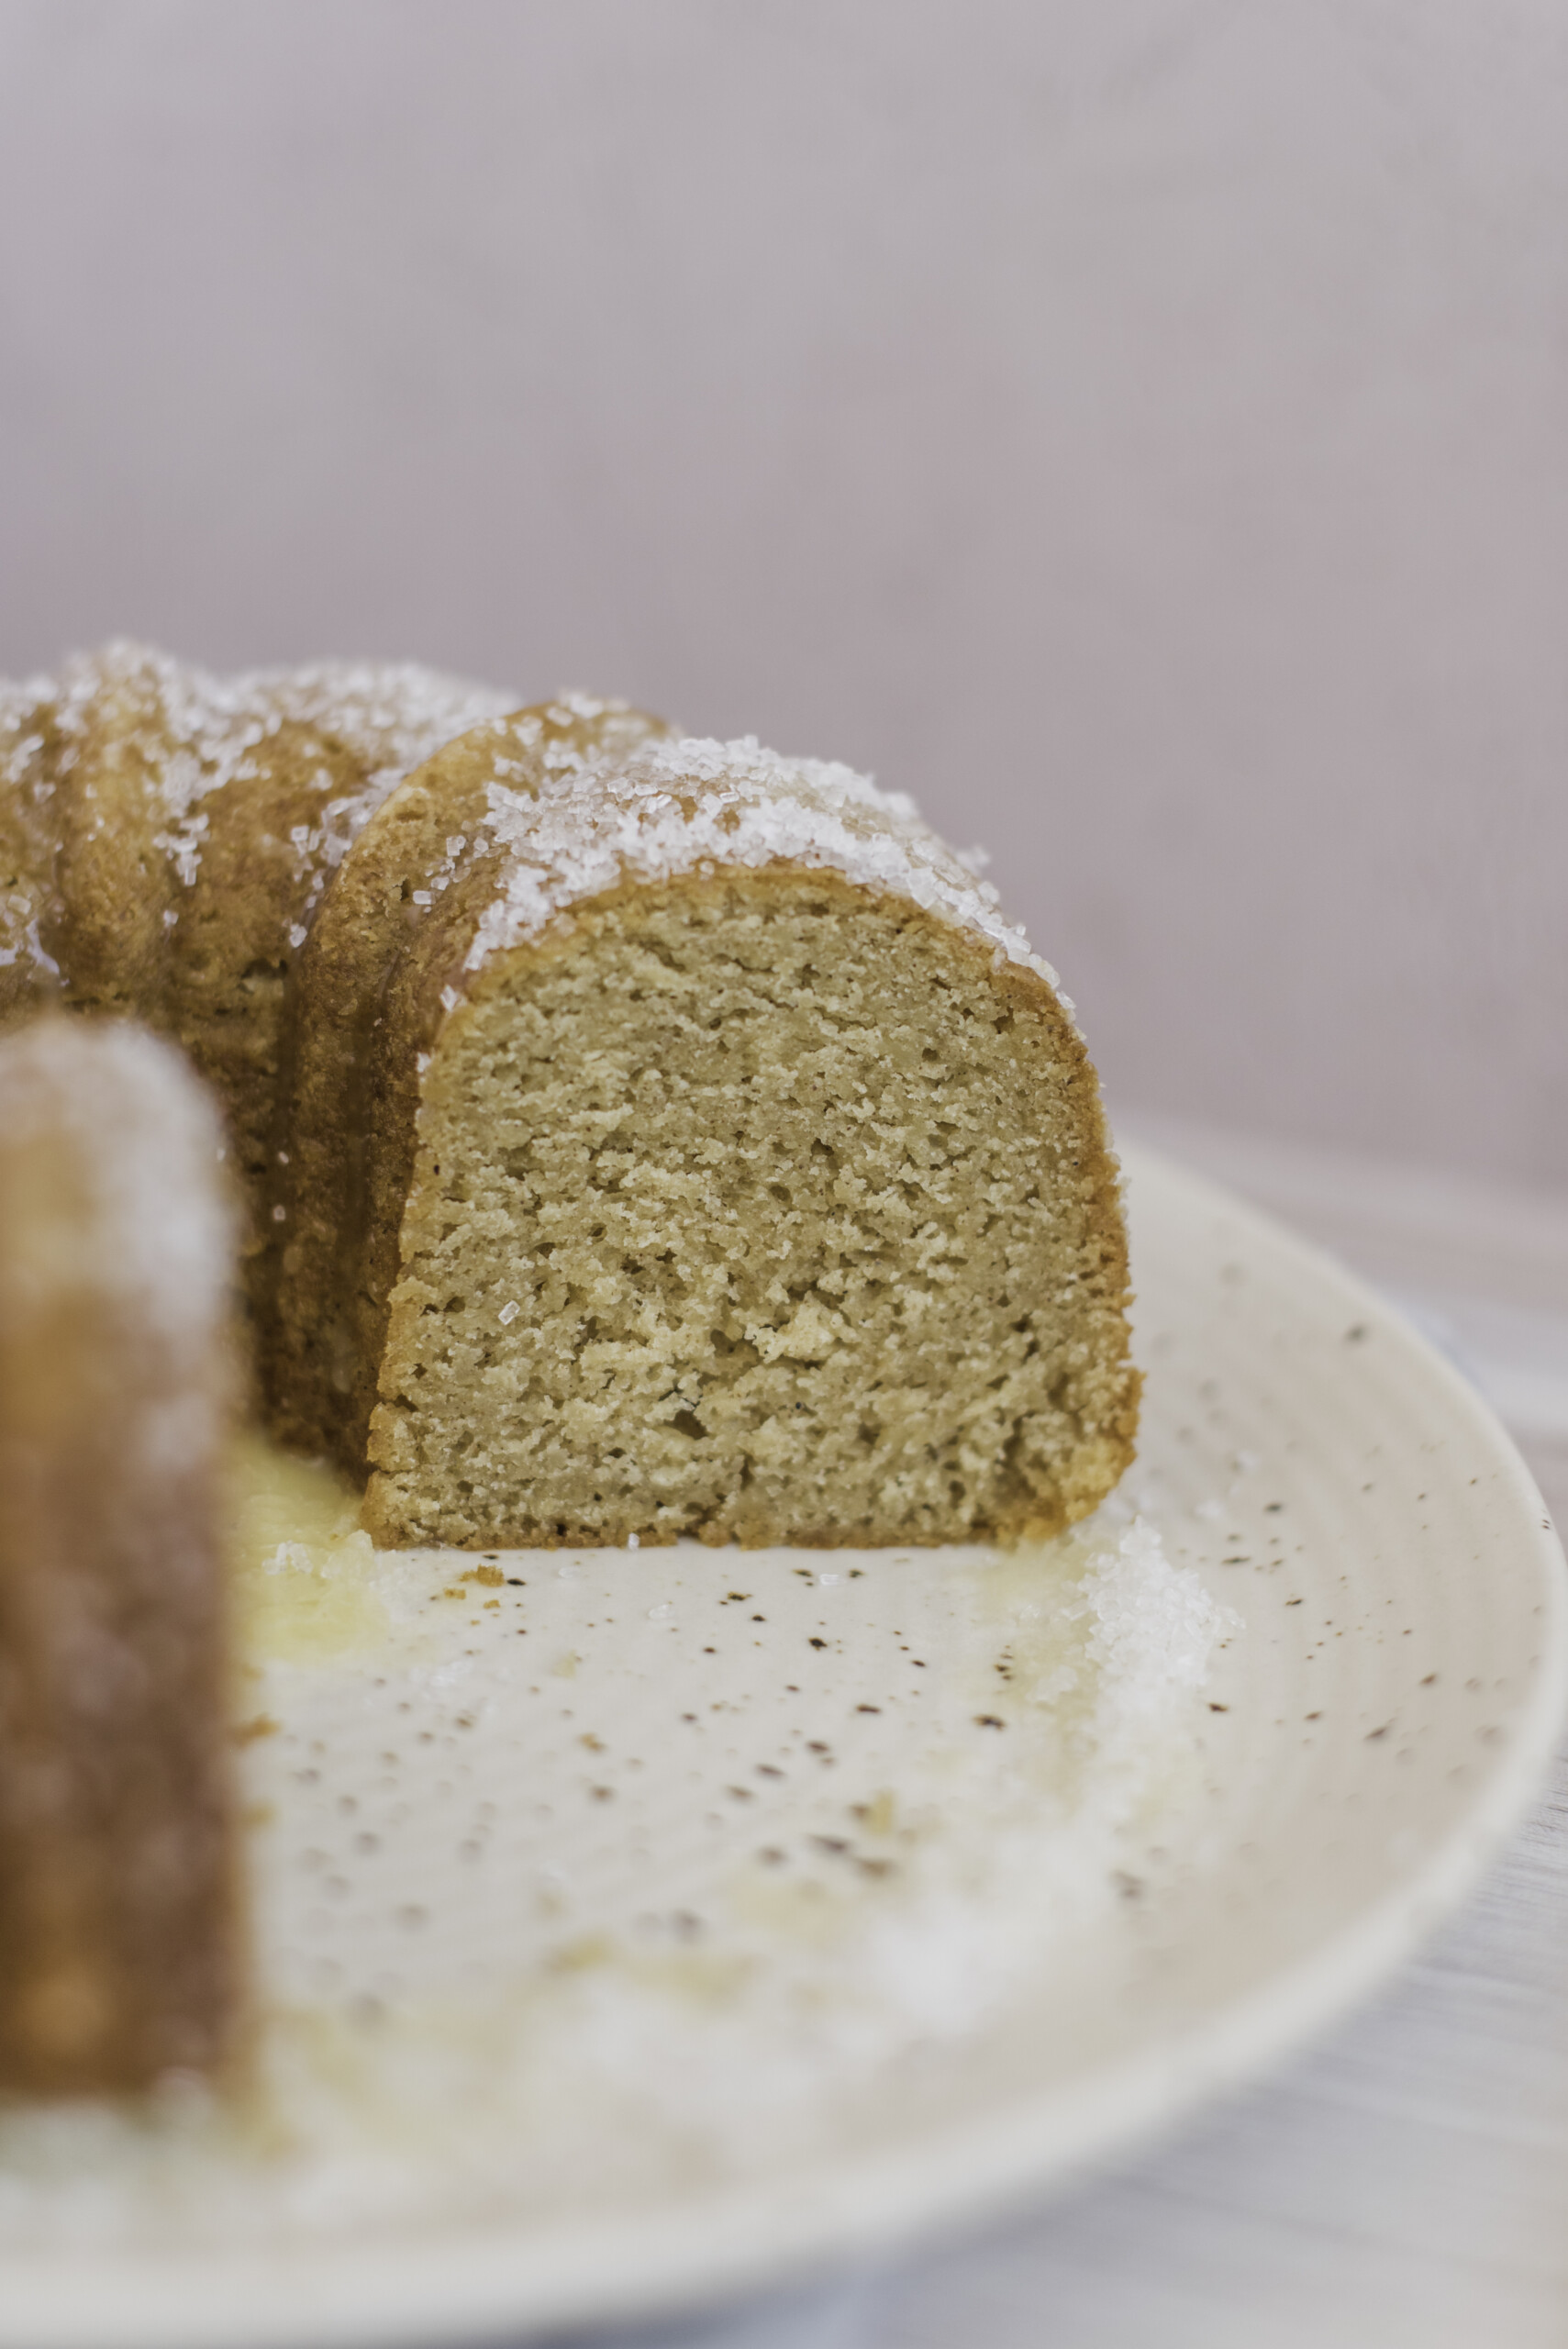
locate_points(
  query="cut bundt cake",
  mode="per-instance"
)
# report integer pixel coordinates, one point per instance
(644, 1137)
(119, 1952)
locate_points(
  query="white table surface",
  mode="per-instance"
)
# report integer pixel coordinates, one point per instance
(1405, 2181)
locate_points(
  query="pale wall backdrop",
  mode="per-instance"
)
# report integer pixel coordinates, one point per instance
(1139, 427)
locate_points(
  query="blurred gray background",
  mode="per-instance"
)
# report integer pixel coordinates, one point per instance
(1139, 428)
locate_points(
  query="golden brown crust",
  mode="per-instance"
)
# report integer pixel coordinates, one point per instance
(180, 915)
(228, 994)
(165, 838)
(105, 927)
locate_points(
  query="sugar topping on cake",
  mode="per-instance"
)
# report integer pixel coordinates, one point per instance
(391, 717)
(194, 733)
(681, 806)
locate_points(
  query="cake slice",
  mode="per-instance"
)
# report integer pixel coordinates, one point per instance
(120, 1947)
(740, 1173)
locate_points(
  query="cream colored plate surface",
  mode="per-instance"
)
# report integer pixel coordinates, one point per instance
(642, 1926)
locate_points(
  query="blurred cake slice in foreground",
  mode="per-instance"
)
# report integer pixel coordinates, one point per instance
(120, 1942)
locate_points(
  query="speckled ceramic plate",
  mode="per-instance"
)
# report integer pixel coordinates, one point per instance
(642, 1926)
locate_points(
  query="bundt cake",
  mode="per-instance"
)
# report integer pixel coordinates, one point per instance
(643, 1137)
(120, 1947)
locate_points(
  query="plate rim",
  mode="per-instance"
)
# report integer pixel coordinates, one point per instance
(491, 2281)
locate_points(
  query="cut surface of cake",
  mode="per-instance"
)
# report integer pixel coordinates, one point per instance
(119, 1944)
(645, 1136)
(786, 1180)
(782, 1160)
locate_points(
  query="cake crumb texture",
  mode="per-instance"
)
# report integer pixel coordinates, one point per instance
(756, 1207)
